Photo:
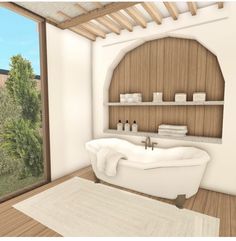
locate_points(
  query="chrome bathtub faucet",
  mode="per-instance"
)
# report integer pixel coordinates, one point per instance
(154, 144)
(148, 143)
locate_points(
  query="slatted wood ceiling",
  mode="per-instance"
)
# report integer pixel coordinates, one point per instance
(97, 19)
(169, 65)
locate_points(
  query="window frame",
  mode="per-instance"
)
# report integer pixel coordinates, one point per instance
(44, 95)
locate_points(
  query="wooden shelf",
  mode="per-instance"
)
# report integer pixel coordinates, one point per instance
(156, 135)
(167, 103)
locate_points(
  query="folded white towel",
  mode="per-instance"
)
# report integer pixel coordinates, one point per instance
(171, 134)
(180, 97)
(172, 131)
(174, 127)
(107, 160)
(199, 96)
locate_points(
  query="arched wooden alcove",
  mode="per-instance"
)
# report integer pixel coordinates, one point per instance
(169, 65)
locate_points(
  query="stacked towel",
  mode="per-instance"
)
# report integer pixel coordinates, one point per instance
(107, 161)
(157, 97)
(180, 97)
(131, 98)
(199, 96)
(172, 130)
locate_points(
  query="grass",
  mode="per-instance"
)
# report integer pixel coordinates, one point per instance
(10, 183)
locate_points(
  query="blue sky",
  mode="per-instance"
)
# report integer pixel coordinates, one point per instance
(18, 35)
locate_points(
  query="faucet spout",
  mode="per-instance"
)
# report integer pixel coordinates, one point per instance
(147, 142)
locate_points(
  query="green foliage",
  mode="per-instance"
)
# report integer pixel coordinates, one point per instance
(8, 108)
(22, 88)
(20, 140)
(7, 164)
(23, 142)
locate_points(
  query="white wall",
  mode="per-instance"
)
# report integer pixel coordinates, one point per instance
(69, 83)
(216, 30)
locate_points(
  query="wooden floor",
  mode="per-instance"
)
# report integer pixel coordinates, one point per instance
(15, 223)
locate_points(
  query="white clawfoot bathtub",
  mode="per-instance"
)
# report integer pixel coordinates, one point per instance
(165, 173)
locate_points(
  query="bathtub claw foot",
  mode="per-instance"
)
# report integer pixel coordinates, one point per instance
(180, 200)
(96, 180)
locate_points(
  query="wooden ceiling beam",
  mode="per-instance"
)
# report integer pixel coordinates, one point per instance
(172, 9)
(220, 4)
(64, 15)
(96, 13)
(122, 20)
(152, 10)
(118, 17)
(98, 4)
(52, 21)
(109, 24)
(87, 30)
(192, 6)
(81, 8)
(136, 15)
(94, 29)
(105, 21)
(83, 32)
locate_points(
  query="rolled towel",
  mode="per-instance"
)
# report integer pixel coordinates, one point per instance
(172, 127)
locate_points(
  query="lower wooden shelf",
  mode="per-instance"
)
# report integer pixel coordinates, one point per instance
(167, 103)
(156, 135)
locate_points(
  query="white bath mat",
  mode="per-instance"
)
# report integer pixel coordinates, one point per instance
(79, 207)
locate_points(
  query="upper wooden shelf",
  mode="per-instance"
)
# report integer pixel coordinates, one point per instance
(166, 103)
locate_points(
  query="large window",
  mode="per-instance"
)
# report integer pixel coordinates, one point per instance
(24, 142)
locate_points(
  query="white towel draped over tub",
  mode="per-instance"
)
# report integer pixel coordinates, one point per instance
(107, 160)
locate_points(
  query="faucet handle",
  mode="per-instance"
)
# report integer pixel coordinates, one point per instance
(144, 142)
(153, 144)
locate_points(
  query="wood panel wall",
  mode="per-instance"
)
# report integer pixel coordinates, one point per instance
(169, 65)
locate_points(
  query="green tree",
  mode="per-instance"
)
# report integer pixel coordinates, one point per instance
(24, 143)
(22, 88)
(21, 138)
(8, 110)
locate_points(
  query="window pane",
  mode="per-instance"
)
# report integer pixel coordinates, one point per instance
(21, 147)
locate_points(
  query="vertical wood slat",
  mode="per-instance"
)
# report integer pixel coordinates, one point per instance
(144, 64)
(192, 83)
(160, 58)
(134, 87)
(153, 52)
(169, 65)
(167, 77)
(201, 86)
